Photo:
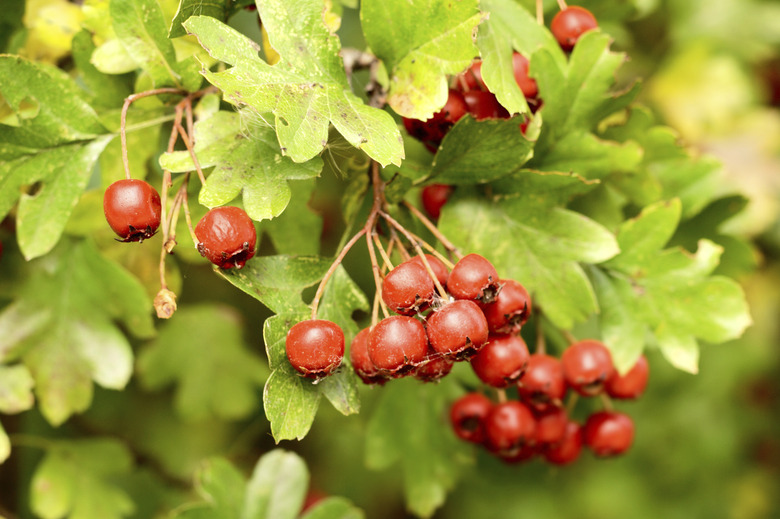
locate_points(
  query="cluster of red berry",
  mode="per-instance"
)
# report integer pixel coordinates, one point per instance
(537, 424)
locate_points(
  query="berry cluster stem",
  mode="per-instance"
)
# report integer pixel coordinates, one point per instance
(562, 5)
(540, 12)
(434, 230)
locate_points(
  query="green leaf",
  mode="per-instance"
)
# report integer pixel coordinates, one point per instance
(296, 229)
(5, 445)
(59, 114)
(62, 327)
(420, 42)
(16, 385)
(215, 8)
(305, 90)
(475, 152)
(202, 352)
(277, 487)
(222, 486)
(539, 245)
(75, 480)
(107, 91)
(334, 508)
(249, 163)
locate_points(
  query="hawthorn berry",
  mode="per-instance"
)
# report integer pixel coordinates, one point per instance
(569, 24)
(132, 208)
(586, 366)
(397, 344)
(433, 198)
(520, 68)
(433, 368)
(361, 362)
(568, 449)
(502, 361)
(437, 266)
(608, 433)
(458, 329)
(630, 385)
(471, 79)
(474, 278)
(509, 426)
(432, 131)
(408, 288)
(543, 385)
(484, 105)
(551, 425)
(467, 416)
(226, 237)
(315, 348)
(510, 311)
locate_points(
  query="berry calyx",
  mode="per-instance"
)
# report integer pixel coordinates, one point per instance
(132, 208)
(474, 278)
(433, 198)
(543, 384)
(397, 344)
(315, 348)
(632, 384)
(509, 427)
(608, 433)
(511, 309)
(361, 362)
(502, 361)
(569, 24)
(568, 449)
(467, 416)
(458, 329)
(408, 288)
(437, 266)
(586, 366)
(526, 83)
(226, 237)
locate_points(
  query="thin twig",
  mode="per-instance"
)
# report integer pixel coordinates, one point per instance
(431, 227)
(382, 252)
(336, 262)
(562, 5)
(541, 346)
(540, 12)
(606, 402)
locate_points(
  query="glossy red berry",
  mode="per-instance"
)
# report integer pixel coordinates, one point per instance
(569, 24)
(439, 268)
(586, 366)
(509, 427)
(608, 433)
(543, 385)
(226, 237)
(132, 208)
(484, 105)
(502, 361)
(408, 288)
(458, 329)
(397, 344)
(433, 368)
(474, 278)
(511, 309)
(568, 449)
(315, 348)
(632, 384)
(551, 425)
(467, 416)
(433, 198)
(361, 362)
(526, 83)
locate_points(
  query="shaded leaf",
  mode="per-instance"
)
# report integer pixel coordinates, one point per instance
(215, 8)
(334, 508)
(16, 385)
(277, 487)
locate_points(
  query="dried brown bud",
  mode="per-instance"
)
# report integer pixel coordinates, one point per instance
(165, 303)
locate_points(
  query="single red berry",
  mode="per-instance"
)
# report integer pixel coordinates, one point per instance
(361, 362)
(526, 84)
(434, 367)
(569, 24)
(132, 208)
(568, 449)
(484, 105)
(467, 416)
(502, 361)
(433, 198)
(521, 455)
(543, 385)
(630, 385)
(586, 366)
(551, 425)
(226, 237)
(509, 426)
(511, 309)
(474, 278)
(315, 348)
(609, 433)
(433, 130)
(397, 344)
(458, 329)
(437, 265)
(408, 288)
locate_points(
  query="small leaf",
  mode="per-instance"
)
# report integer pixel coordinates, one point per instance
(334, 508)
(277, 487)
(223, 487)
(16, 385)
(5, 445)
(107, 91)
(215, 8)
(293, 231)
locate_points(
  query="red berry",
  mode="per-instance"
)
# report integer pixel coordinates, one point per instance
(508, 427)
(472, 78)
(467, 416)
(521, 455)
(510, 311)
(434, 197)
(484, 105)
(543, 385)
(630, 385)
(397, 344)
(438, 267)
(315, 347)
(586, 366)
(526, 84)
(132, 208)
(569, 24)
(226, 237)
(608, 433)
(361, 362)
(475, 278)
(568, 449)
(433, 130)
(458, 328)
(551, 425)
(502, 361)
(434, 368)
(408, 288)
